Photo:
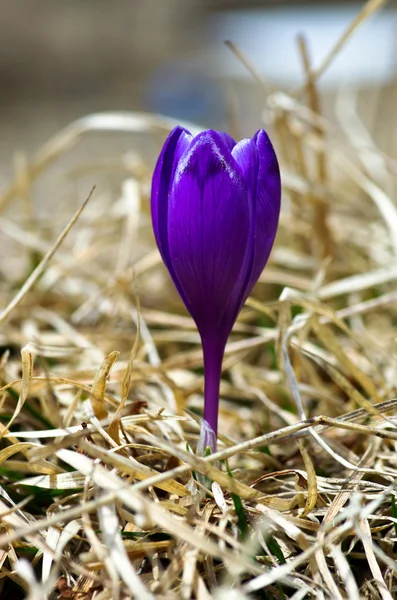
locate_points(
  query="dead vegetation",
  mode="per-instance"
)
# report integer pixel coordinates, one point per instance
(102, 495)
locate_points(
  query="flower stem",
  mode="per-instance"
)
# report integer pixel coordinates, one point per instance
(213, 351)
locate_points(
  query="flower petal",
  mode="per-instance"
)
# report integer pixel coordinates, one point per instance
(246, 156)
(178, 139)
(175, 146)
(227, 139)
(209, 228)
(267, 204)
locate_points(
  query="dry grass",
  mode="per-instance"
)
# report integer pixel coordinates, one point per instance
(102, 495)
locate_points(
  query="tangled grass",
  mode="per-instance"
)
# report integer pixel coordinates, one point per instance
(102, 495)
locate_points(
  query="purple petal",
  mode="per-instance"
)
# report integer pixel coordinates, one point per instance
(246, 155)
(227, 140)
(175, 146)
(209, 228)
(161, 182)
(267, 204)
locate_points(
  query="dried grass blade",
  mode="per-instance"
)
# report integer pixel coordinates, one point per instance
(382, 201)
(311, 499)
(369, 8)
(27, 370)
(345, 573)
(41, 267)
(99, 386)
(373, 563)
(357, 283)
(114, 427)
(110, 526)
(326, 575)
(57, 540)
(321, 210)
(150, 510)
(330, 342)
(61, 481)
(133, 468)
(205, 468)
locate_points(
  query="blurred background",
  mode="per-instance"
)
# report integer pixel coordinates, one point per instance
(61, 60)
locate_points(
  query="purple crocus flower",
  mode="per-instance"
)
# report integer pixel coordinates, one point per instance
(215, 208)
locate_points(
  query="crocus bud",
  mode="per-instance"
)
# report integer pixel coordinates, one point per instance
(215, 209)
